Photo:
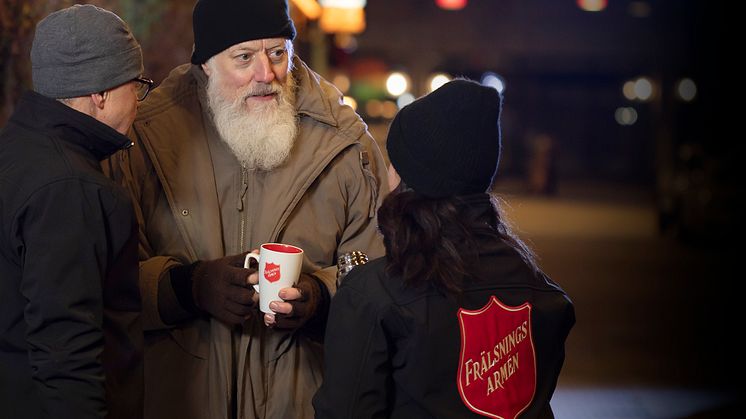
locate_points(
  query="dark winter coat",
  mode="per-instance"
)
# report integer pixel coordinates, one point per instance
(70, 332)
(394, 351)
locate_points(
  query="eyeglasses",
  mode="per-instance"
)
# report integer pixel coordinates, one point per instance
(144, 86)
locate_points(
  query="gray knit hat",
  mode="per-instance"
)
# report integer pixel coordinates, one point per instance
(81, 50)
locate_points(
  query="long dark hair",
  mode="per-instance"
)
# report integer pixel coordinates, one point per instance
(434, 240)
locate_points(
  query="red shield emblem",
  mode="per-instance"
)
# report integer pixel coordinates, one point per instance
(271, 272)
(497, 366)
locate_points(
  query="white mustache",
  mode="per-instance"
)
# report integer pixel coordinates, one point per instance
(263, 90)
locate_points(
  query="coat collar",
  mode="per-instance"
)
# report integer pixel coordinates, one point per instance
(311, 100)
(69, 125)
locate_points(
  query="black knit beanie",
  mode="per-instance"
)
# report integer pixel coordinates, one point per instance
(220, 24)
(448, 142)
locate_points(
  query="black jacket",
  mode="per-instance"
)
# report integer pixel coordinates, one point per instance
(394, 351)
(70, 333)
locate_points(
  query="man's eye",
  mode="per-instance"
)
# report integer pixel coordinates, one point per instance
(243, 57)
(277, 54)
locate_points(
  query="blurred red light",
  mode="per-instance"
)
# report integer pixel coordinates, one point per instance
(592, 5)
(451, 4)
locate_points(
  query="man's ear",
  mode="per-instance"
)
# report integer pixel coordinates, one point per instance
(206, 68)
(99, 99)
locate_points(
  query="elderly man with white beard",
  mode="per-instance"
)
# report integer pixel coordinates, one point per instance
(245, 145)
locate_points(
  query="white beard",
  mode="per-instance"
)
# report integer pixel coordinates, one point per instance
(262, 137)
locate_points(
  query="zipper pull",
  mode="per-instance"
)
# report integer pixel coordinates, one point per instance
(244, 188)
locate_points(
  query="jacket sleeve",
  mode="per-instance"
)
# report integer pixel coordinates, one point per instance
(65, 252)
(158, 296)
(366, 186)
(357, 371)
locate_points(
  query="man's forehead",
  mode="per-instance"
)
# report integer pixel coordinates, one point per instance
(259, 44)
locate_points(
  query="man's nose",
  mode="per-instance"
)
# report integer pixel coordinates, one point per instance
(263, 69)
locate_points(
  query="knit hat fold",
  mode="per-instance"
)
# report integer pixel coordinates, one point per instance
(448, 142)
(83, 49)
(220, 24)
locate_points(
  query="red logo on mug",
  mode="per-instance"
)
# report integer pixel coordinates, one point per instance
(272, 272)
(497, 366)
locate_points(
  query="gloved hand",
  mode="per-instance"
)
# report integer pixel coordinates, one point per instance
(220, 288)
(301, 303)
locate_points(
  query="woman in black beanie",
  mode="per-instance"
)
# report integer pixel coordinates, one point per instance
(456, 320)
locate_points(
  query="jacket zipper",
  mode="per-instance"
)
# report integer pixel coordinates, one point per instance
(242, 209)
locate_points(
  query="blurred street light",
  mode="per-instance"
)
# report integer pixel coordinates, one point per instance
(629, 90)
(345, 16)
(451, 4)
(374, 108)
(397, 84)
(404, 100)
(438, 80)
(686, 89)
(310, 8)
(389, 109)
(592, 5)
(493, 80)
(643, 89)
(350, 101)
(342, 82)
(626, 116)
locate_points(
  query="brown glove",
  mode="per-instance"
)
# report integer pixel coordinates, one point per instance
(313, 305)
(218, 287)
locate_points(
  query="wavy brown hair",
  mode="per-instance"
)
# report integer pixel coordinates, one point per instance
(435, 240)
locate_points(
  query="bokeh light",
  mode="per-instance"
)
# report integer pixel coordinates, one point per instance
(404, 100)
(643, 89)
(686, 89)
(451, 4)
(628, 90)
(342, 82)
(397, 84)
(350, 101)
(494, 81)
(592, 5)
(625, 116)
(438, 80)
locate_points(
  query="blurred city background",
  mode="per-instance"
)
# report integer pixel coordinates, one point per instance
(617, 167)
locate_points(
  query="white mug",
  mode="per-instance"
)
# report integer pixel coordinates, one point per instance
(279, 267)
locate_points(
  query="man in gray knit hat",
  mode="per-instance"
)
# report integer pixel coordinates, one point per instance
(70, 330)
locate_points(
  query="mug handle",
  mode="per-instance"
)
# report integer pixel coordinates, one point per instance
(247, 264)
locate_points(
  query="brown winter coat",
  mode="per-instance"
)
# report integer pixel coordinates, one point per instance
(323, 199)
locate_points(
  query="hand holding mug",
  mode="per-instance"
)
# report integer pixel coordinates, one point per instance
(220, 288)
(279, 268)
(299, 304)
